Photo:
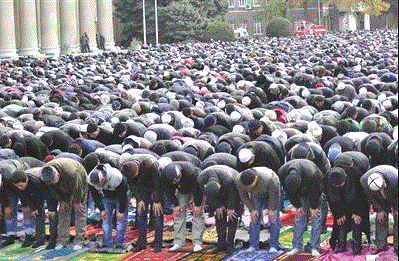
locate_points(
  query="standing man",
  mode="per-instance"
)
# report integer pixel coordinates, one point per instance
(143, 175)
(67, 185)
(110, 192)
(180, 181)
(222, 197)
(259, 188)
(381, 187)
(303, 184)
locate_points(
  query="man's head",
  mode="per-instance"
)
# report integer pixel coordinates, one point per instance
(319, 101)
(212, 189)
(19, 179)
(334, 151)
(76, 148)
(120, 130)
(47, 140)
(49, 175)
(224, 147)
(5, 141)
(151, 136)
(248, 178)
(130, 169)
(172, 174)
(255, 128)
(376, 182)
(98, 177)
(191, 150)
(301, 151)
(246, 156)
(337, 177)
(373, 147)
(92, 130)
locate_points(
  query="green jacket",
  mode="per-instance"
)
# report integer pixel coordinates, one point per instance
(73, 181)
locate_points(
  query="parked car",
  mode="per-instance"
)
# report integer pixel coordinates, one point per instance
(305, 28)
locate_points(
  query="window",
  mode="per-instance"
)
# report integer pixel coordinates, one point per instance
(243, 3)
(258, 27)
(257, 2)
(244, 24)
(232, 3)
(232, 25)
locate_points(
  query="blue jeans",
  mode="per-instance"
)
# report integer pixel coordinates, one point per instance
(254, 227)
(110, 206)
(301, 222)
(11, 223)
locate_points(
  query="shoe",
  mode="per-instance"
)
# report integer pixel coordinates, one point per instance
(77, 247)
(197, 248)
(376, 252)
(28, 241)
(315, 252)
(59, 247)
(220, 249)
(175, 248)
(51, 245)
(231, 250)
(293, 252)
(120, 250)
(273, 250)
(9, 241)
(38, 243)
(138, 248)
(251, 249)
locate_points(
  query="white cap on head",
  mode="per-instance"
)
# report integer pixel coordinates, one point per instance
(126, 148)
(200, 104)
(395, 133)
(339, 106)
(221, 104)
(245, 155)
(238, 129)
(387, 104)
(1, 180)
(280, 135)
(314, 129)
(114, 120)
(235, 116)
(341, 86)
(382, 97)
(375, 181)
(164, 161)
(246, 101)
(363, 90)
(151, 136)
(305, 93)
(166, 118)
(271, 115)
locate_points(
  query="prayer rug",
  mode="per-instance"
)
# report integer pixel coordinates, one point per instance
(149, 255)
(252, 256)
(207, 255)
(287, 234)
(99, 257)
(14, 252)
(299, 257)
(366, 252)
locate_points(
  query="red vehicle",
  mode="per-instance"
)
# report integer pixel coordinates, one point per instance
(305, 28)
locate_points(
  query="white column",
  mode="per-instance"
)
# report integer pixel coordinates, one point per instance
(105, 22)
(366, 22)
(68, 26)
(87, 21)
(28, 28)
(49, 27)
(7, 29)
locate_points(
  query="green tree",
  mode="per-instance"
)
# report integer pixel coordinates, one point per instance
(219, 31)
(372, 7)
(271, 9)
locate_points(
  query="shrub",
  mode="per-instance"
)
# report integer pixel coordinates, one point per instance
(219, 31)
(279, 27)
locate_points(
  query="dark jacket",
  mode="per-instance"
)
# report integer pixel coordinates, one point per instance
(393, 153)
(220, 159)
(311, 186)
(35, 193)
(187, 185)
(31, 147)
(106, 137)
(345, 143)
(229, 196)
(265, 156)
(59, 140)
(381, 157)
(183, 156)
(380, 203)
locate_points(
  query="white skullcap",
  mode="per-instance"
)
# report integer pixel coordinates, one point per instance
(200, 104)
(295, 88)
(105, 99)
(114, 120)
(280, 135)
(1, 180)
(271, 115)
(314, 129)
(221, 104)
(187, 123)
(164, 161)
(339, 106)
(382, 97)
(273, 86)
(387, 104)
(166, 118)
(305, 93)
(341, 86)
(246, 101)
(238, 129)
(245, 155)
(375, 181)
(126, 148)
(151, 136)
(235, 116)
(363, 90)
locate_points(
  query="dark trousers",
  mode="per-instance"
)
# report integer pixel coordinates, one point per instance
(40, 226)
(142, 221)
(381, 231)
(226, 230)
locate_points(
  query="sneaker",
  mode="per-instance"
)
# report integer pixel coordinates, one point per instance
(138, 248)
(157, 249)
(120, 250)
(293, 252)
(251, 249)
(315, 252)
(51, 245)
(175, 248)
(197, 248)
(59, 247)
(77, 247)
(273, 250)
(9, 241)
(28, 241)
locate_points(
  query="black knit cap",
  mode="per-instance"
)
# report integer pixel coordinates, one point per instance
(248, 177)
(18, 176)
(91, 127)
(253, 125)
(119, 128)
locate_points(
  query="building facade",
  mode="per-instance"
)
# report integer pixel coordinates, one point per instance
(51, 27)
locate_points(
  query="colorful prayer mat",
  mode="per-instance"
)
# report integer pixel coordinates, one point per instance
(298, 257)
(99, 257)
(329, 254)
(149, 255)
(252, 256)
(14, 252)
(287, 235)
